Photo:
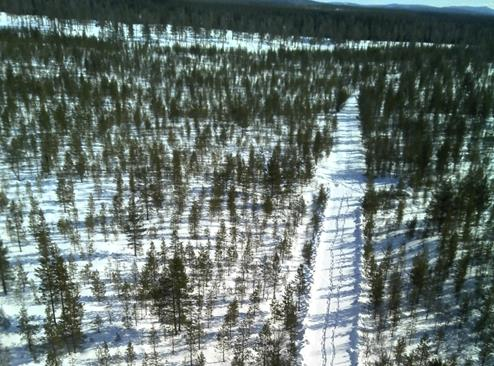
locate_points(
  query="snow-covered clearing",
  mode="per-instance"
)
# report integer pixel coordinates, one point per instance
(331, 324)
(167, 35)
(164, 35)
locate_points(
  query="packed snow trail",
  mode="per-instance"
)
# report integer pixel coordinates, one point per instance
(331, 323)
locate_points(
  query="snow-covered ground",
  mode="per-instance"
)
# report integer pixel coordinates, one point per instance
(331, 324)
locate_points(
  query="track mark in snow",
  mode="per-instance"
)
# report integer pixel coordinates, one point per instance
(330, 296)
(330, 326)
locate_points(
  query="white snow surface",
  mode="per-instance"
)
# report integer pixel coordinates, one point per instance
(332, 321)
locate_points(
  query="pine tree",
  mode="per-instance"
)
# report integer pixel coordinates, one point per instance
(65, 189)
(395, 284)
(274, 176)
(4, 201)
(265, 346)
(267, 205)
(231, 317)
(103, 221)
(461, 272)
(90, 220)
(118, 214)
(5, 270)
(134, 227)
(150, 273)
(15, 220)
(143, 188)
(28, 331)
(222, 341)
(201, 360)
(418, 275)
(46, 270)
(170, 293)
(130, 356)
(98, 322)
(154, 340)
(191, 336)
(205, 268)
(21, 278)
(376, 286)
(52, 338)
(14, 155)
(179, 283)
(72, 308)
(194, 217)
(103, 355)
(97, 286)
(289, 310)
(126, 297)
(232, 209)
(177, 169)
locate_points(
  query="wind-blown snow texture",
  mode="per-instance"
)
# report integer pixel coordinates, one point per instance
(331, 324)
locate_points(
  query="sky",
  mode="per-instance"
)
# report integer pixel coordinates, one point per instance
(489, 3)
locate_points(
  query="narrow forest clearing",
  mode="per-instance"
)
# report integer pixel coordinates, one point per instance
(331, 324)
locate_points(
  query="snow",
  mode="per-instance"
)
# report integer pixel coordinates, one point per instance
(331, 324)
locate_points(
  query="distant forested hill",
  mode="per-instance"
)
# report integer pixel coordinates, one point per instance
(296, 17)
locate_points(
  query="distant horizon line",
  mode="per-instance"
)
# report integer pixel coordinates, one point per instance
(391, 3)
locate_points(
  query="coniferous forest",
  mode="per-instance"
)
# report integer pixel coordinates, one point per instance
(187, 183)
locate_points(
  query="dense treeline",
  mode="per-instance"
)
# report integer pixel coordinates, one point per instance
(320, 21)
